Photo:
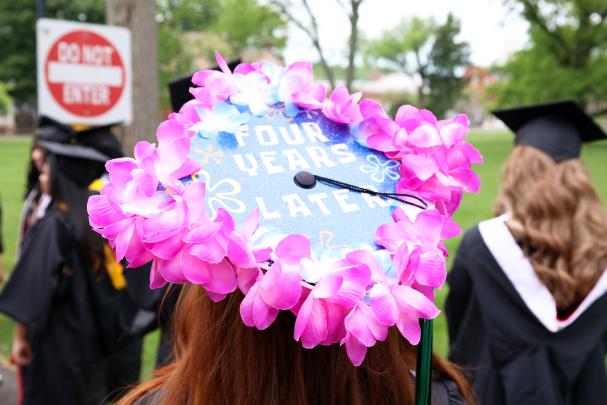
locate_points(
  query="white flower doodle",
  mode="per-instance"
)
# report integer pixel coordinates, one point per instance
(381, 170)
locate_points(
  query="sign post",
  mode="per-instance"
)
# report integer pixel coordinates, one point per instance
(84, 72)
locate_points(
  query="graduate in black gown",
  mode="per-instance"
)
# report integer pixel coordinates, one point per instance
(123, 361)
(59, 332)
(527, 308)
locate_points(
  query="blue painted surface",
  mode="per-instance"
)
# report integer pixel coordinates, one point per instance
(238, 190)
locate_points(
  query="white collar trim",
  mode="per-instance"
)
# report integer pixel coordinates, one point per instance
(519, 271)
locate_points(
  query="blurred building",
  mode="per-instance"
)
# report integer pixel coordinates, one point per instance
(475, 100)
(7, 122)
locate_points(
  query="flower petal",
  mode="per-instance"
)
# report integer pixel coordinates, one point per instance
(263, 314)
(408, 325)
(383, 304)
(223, 279)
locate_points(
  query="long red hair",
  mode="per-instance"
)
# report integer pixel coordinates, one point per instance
(220, 360)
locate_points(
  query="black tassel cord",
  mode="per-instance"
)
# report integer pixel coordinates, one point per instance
(393, 196)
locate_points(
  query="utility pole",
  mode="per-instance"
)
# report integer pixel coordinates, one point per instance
(139, 17)
(40, 9)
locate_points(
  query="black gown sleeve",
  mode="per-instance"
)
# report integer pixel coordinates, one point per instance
(460, 291)
(28, 294)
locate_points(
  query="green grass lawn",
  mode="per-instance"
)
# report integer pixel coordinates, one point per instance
(494, 147)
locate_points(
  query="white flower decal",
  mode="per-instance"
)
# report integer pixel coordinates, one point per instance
(380, 170)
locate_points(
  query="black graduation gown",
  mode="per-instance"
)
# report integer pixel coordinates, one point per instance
(49, 292)
(156, 309)
(503, 323)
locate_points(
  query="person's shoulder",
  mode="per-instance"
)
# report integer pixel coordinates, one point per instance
(445, 392)
(472, 237)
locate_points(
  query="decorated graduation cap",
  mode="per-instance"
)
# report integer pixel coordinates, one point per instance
(557, 128)
(325, 208)
(79, 163)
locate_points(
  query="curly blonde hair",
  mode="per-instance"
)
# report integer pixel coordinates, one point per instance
(556, 216)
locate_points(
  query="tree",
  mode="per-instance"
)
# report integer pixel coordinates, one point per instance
(187, 15)
(5, 99)
(311, 29)
(566, 56)
(139, 17)
(18, 38)
(353, 16)
(446, 58)
(173, 61)
(247, 24)
(409, 37)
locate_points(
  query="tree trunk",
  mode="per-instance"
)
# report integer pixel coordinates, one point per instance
(353, 40)
(139, 17)
(420, 90)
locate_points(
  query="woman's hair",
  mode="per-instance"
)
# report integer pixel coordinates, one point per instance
(220, 360)
(90, 243)
(556, 216)
(32, 173)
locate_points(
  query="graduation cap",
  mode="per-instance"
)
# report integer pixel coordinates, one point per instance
(556, 128)
(54, 131)
(179, 89)
(79, 163)
(100, 138)
(297, 171)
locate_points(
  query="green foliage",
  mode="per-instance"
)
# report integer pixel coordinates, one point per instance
(419, 46)
(566, 56)
(18, 38)
(5, 99)
(408, 36)
(446, 56)
(188, 15)
(247, 24)
(173, 61)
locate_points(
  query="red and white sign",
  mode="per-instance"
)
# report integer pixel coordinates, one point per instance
(84, 72)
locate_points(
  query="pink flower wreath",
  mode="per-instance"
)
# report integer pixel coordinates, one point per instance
(351, 297)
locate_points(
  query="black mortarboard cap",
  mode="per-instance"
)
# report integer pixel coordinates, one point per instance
(54, 131)
(79, 163)
(557, 128)
(180, 88)
(102, 139)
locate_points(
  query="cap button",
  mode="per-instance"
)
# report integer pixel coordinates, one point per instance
(305, 180)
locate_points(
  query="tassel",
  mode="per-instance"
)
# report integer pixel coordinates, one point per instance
(423, 367)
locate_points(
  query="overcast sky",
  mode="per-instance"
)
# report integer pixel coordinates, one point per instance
(489, 27)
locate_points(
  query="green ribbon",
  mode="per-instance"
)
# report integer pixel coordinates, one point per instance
(423, 367)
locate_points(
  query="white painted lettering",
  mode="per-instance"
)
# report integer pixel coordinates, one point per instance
(319, 155)
(371, 199)
(341, 196)
(299, 139)
(270, 131)
(267, 159)
(341, 146)
(295, 159)
(264, 211)
(239, 135)
(240, 162)
(317, 198)
(314, 131)
(293, 208)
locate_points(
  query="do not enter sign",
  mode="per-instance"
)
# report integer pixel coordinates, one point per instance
(84, 72)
